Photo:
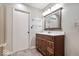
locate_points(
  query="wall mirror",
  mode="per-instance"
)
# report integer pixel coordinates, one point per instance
(52, 21)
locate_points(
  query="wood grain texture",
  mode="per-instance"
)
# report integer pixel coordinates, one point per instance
(50, 45)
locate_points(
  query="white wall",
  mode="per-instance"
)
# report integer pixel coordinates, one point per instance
(36, 22)
(70, 15)
(34, 13)
(9, 16)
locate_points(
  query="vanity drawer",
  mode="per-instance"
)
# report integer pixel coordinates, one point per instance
(51, 44)
(50, 52)
(50, 38)
(47, 37)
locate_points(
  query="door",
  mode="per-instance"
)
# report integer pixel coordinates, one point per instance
(20, 30)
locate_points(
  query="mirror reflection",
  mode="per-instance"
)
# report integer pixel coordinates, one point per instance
(53, 20)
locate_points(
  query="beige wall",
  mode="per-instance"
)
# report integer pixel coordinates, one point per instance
(2, 28)
(1, 24)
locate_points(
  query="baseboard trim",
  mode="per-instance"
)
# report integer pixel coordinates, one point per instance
(32, 47)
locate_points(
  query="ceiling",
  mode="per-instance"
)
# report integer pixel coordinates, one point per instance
(38, 5)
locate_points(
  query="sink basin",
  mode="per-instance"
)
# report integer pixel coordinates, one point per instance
(52, 33)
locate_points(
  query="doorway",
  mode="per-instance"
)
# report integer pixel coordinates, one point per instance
(20, 30)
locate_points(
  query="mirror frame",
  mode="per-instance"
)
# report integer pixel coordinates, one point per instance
(60, 20)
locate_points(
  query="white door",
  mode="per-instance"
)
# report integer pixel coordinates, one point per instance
(20, 30)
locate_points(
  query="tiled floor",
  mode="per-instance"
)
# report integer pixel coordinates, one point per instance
(28, 52)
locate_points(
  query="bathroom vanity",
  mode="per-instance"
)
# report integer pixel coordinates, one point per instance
(50, 44)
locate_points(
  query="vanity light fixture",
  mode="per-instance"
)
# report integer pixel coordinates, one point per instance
(46, 12)
(55, 7)
(19, 5)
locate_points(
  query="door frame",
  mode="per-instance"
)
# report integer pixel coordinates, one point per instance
(15, 9)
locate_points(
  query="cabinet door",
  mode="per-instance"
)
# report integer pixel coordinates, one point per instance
(38, 43)
(41, 45)
(50, 48)
(44, 46)
(59, 45)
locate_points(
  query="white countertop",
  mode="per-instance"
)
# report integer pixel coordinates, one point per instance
(52, 33)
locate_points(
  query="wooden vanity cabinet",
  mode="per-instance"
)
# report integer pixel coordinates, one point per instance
(50, 45)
